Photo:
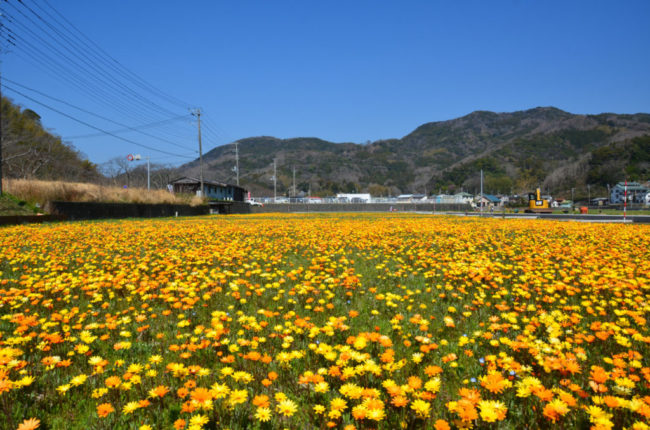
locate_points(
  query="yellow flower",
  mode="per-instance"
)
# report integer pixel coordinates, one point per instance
(321, 387)
(199, 420)
(237, 397)
(433, 385)
(492, 411)
(155, 359)
(287, 407)
(130, 407)
(338, 404)
(263, 414)
(319, 409)
(421, 408)
(78, 380)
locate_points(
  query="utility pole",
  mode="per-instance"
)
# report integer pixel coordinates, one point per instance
(275, 181)
(237, 160)
(481, 199)
(589, 195)
(148, 174)
(294, 182)
(197, 114)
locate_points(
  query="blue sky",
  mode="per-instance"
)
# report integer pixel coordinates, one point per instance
(344, 71)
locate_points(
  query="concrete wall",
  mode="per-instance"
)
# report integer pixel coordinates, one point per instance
(94, 210)
(360, 207)
(29, 219)
(227, 208)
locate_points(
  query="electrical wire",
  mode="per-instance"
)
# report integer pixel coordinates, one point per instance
(108, 78)
(113, 62)
(50, 41)
(94, 114)
(122, 130)
(92, 126)
(100, 91)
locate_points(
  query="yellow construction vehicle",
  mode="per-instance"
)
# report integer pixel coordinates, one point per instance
(536, 204)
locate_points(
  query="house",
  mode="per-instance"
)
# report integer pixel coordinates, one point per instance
(353, 198)
(213, 190)
(463, 197)
(410, 198)
(636, 193)
(598, 201)
(488, 200)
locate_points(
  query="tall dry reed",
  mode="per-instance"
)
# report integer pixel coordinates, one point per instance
(41, 192)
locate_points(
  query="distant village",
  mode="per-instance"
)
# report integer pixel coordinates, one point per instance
(637, 194)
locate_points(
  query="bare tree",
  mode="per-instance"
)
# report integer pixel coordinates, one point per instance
(119, 169)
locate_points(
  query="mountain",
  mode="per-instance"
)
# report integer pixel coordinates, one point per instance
(517, 152)
(32, 152)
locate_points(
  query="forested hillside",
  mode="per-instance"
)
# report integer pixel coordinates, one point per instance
(517, 151)
(29, 150)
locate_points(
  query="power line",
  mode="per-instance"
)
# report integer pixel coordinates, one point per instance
(77, 80)
(124, 89)
(85, 67)
(122, 109)
(92, 126)
(114, 63)
(122, 130)
(94, 114)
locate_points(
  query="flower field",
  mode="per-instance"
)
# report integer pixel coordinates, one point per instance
(356, 321)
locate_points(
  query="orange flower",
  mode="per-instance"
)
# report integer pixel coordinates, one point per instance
(399, 401)
(432, 371)
(179, 424)
(113, 381)
(188, 407)
(29, 424)
(466, 410)
(159, 391)
(182, 392)
(471, 395)
(261, 401)
(441, 425)
(494, 382)
(104, 409)
(555, 409)
(201, 395)
(598, 375)
(414, 382)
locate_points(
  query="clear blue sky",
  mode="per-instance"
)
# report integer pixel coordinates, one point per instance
(344, 71)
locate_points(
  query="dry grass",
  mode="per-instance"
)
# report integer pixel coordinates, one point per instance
(41, 192)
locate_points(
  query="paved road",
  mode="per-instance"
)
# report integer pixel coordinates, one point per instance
(640, 219)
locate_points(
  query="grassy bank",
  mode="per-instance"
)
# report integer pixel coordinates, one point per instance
(41, 192)
(10, 205)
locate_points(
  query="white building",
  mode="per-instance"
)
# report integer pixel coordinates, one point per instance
(636, 193)
(353, 198)
(463, 197)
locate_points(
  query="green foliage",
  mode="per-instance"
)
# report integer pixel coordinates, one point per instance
(30, 151)
(516, 150)
(10, 205)
(460, 174)
(612, 163)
